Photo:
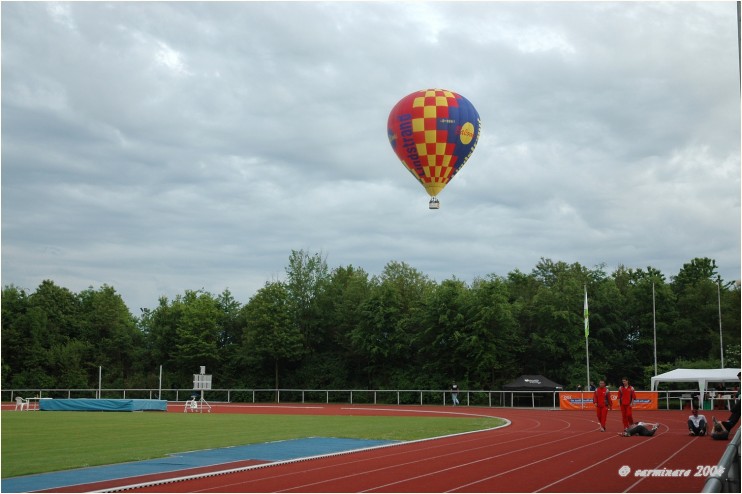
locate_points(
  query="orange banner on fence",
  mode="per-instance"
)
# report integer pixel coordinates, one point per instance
(583, 400)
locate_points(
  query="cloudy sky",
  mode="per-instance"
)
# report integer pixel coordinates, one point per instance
(164, 147)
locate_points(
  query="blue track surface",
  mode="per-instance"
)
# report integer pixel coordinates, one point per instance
(268, 452)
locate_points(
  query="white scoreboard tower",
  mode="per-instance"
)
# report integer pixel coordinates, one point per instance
(201, 382)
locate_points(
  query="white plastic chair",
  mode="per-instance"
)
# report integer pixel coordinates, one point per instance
(21, 403)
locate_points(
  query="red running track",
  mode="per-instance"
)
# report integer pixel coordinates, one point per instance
(540, 451)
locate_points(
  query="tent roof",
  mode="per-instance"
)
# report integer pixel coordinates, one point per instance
(529, 382)
(700, 376)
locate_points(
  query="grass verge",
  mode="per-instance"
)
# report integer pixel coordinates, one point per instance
(50, 441)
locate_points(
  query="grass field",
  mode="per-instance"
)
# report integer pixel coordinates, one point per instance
(51, 441)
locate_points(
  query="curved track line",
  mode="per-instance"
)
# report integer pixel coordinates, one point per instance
(597, 463)
(156, 483)
(427, 459)
(557, 441)
(334, 466)
(472, 463)
(658, 466)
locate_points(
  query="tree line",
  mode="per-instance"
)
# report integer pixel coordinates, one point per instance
(341, 328)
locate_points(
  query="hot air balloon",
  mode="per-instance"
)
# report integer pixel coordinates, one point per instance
(433, 132)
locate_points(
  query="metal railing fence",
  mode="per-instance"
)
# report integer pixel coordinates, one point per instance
(488, 398)
(726, 477)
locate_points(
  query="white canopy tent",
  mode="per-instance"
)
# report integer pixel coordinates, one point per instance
(700, 376)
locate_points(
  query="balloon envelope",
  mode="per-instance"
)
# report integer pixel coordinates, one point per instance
(433, 132)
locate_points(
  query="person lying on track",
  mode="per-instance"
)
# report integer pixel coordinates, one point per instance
(640, 429)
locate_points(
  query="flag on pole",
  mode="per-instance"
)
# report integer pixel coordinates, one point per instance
(587, 318)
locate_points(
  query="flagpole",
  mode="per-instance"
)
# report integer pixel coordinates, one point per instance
(587, 355)
(587, 332)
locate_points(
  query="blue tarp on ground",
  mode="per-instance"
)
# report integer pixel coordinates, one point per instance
(94, 405)
(268, 452)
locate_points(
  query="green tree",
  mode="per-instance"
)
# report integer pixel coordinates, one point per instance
(231, 327)
(18, 341)
(61, 309)
(697, 323)
(307, 276)
(56, 322)
(692, 273)
(523, 289)
(198, 331)
(334, 363)
(67, 362)
(497, 344)
(376, 339)
(445, 346)
(113, 340)
(270, 330)
(184, 335)
(644, 301)
(391, 325)
(556, 343)
(159, 326)
(342, 328)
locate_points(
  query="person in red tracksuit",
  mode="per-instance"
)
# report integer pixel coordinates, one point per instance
(626, 397)
(602, 400)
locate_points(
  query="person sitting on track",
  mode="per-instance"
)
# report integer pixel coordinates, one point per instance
(640, 429)
(719, 432)
(696, 424)
(729, 423)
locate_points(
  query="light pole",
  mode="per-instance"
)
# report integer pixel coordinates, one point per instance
(654, 327)
(721, 340)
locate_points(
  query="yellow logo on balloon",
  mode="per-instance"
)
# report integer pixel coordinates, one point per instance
(467, 133)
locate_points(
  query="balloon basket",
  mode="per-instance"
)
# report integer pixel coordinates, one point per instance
(434, 204)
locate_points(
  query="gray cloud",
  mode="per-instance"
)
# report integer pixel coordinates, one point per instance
(159, 147)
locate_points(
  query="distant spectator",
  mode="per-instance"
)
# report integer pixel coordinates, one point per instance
(455, 394)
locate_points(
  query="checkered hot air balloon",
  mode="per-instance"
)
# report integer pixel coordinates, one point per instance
(433, 132)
